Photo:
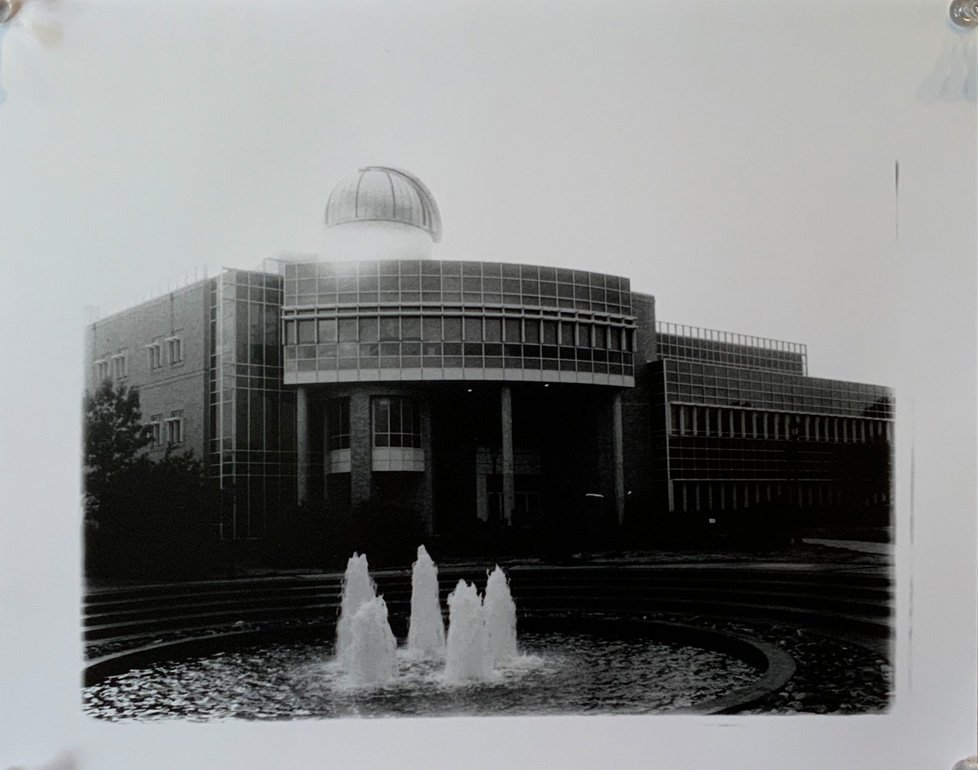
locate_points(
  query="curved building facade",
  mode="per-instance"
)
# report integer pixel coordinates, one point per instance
(394, 359)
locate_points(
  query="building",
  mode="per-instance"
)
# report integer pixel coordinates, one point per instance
(480, 395)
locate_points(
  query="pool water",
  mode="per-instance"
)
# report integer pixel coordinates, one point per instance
(556, 673)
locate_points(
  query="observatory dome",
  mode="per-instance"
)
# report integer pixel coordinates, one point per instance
(384, 194)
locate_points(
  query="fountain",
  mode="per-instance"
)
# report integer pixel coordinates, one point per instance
(426, 632)
(466, 656)
(372, 655)
(562, 665)
(358, 589)
(500, 615)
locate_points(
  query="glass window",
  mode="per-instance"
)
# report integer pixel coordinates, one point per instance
(473, 329)
(368, 329)
(431, 329)
(327, 330)
(453, 329)
(174, 349)
(549, 332)
(155, 354)
(156, 430)
(120, 367)
(174, 427)
(390, 329)
(411, 328)
(347, 330)
(290, 337)
(338, 423)
(307, 332)
(494, 330)
(584, 335)
(397, 422)
(511, 329)
(567, 335)
(531, 328)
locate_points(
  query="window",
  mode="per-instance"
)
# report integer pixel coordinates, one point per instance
(101, 370)
(154, 353)
(338, 423)
(174, 427)
(307, 332)
(598, 337)
(327, 330)
(156, 429)
(549, 332)
(120, 367)
(397, 422)
(174, 350)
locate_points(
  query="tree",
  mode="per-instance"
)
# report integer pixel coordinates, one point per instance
(114, 436)
(142, 517)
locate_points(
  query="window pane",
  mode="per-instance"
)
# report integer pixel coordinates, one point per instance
(327, 330)
(368, 330)
(407, 417)
(348, 330)
(431, 328)
(532, 330)
(390, 329)
(566, 329)
(512, 330)
(307, 332)
(473, 329)
(395, 412)
(453, 329)
(382, 415)
(410, 328)
(494, 329)
(599, 336)
(583, 335)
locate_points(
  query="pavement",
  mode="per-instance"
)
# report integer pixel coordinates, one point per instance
(886, 549)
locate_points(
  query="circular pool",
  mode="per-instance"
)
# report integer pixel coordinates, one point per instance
(565, 669)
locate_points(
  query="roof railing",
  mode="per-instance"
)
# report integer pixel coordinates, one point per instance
(730, 338)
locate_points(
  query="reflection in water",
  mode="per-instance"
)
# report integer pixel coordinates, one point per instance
(555, 673)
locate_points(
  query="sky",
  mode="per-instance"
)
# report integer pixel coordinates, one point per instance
(735, 158)
(728, 168)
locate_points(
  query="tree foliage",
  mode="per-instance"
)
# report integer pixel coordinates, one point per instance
(114, 436)
(143, 517)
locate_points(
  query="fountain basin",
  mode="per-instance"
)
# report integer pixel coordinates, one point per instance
(568, 665)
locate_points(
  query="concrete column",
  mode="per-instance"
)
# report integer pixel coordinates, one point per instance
(302, 443)
(360, 452)
(427, 489)
(509, 464)
(618, 449)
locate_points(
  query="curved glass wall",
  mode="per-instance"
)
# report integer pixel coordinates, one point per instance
(410, 319)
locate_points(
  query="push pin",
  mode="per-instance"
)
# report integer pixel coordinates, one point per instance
(7, 10)
(964, 13)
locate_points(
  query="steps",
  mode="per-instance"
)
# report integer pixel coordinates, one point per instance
(852, 604)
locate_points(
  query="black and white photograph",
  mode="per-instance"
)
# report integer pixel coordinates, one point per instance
(456, 384)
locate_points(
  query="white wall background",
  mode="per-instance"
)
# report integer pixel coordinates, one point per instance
(736, 159)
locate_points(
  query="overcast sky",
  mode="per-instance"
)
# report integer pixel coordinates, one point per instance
(735, 172)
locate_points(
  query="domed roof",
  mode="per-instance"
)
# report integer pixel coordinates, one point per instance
(385, 194)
